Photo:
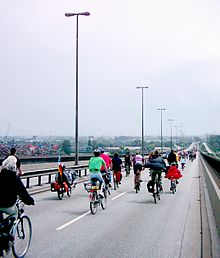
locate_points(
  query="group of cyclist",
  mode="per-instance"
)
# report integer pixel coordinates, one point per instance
(101, 164)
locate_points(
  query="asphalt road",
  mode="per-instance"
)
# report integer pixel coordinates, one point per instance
(131, 226)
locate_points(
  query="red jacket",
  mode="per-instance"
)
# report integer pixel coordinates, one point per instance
(173, 172)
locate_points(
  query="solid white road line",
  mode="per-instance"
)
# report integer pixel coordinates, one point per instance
(84, 214)
(72, 221)
(118, 196)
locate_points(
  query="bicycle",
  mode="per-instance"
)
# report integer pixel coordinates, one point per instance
(157, 189)
(94, 199)
(116, 179)
(173, 185)
(62, 187)
(106, 179)
(16, 233)
(137, 180)
(127, 169)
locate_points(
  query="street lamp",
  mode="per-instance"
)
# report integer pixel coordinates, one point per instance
(176, 126)
(161, 128)
(142, 94)
(77, 105)
(171, 139)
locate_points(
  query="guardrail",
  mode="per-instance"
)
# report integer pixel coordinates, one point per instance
(49, 172)
(213, 161)
(212, 184)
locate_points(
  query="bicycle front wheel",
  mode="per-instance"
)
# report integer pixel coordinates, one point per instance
(69, 191)
(22, 237)
(104, 201)
(60, 194)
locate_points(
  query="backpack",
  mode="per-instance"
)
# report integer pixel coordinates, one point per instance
(150, 186)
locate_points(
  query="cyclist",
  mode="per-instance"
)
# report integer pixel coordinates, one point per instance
(157, 166)
(172, 157)
(12, 162)
(127, 159)
(11, 186)
(173, 172)
(65, 175)
(108, 162)
(182, 162)
(137, 165)
(95, 164)
(116, 167)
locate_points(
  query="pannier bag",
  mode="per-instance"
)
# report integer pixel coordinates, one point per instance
(150, 186)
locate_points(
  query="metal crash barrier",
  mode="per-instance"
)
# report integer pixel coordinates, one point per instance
(81, 170)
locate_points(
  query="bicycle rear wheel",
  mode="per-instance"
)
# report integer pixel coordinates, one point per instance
(60, 194)
(115, 183)
(94, 203)
(22, 237)
(104, 201)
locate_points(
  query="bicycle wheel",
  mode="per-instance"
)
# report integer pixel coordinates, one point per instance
(60, 194)
(126, 169)
(155, 193)
(94, 203)
(22, 237)
(115, 183)
(104, 200)
(158, 191)
(69, 191)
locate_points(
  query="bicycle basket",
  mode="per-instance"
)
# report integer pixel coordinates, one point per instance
(150, 186)
(88, 186)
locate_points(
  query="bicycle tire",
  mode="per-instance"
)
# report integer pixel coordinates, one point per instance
(127, 171)
(115, 184)
(104, 201)
(155, 197)
(158, 191)
(22, 236)
(94, 203)
(60, 194)
(69, 191)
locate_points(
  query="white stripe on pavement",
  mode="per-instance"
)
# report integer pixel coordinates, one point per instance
(118, 196)
(84, 214)
(72, 221)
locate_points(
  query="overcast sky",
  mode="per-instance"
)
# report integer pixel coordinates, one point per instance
(171, 46)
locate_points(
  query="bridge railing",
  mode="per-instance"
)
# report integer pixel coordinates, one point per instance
(81, 170)
(212, 183)
(213, 161)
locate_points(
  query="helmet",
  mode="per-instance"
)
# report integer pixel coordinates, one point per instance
(97, 151)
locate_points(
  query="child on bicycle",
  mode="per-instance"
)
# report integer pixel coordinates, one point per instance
(173, 172)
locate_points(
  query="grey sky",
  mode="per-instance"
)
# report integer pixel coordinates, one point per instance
(171, 46)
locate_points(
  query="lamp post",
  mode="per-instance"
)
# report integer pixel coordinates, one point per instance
(77, 104)
(161, 128)
(176, 126)
(171, 139)
(142, 123)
